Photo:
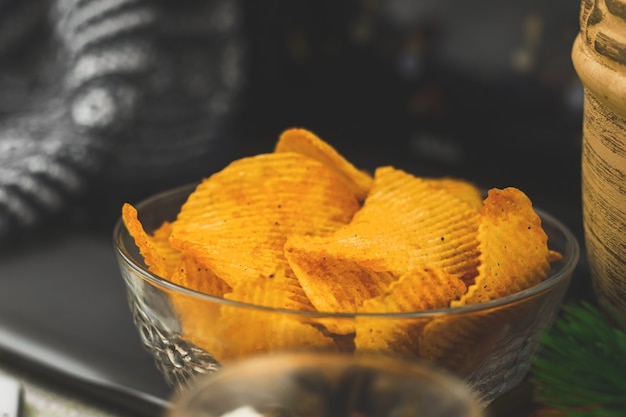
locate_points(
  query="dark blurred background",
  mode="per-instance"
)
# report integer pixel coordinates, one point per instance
(483, 89)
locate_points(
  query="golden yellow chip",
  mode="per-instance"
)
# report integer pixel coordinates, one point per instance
(332, 284)
(193, 274)
(387, 335)
(464, 342)
(246, 331)
(269, 331)
(307, 143)
(406, 223)
(418, 290)
(161, 241)
(277, 291)
(200, 321)
(462, 189)
(513, 245)
(197, 316)
(212, 326)
(460, 343)
(158, 256)
(238, 220)
(554, 256)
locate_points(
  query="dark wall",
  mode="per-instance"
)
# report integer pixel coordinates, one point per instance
(484, 89)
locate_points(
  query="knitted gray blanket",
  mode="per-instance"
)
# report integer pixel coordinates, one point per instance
(115, 92)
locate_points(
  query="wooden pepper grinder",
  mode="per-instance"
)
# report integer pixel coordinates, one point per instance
(599, 57)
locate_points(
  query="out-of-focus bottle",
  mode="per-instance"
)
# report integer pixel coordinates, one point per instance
(599, 57)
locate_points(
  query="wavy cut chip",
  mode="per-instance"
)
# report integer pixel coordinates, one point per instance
(406, 223)
(279, 291)
(513, 246)
(419, 290)
(160, 238)
(459, 343)
(158, 255)
(193, 274)
(237, 220)
(309, 144)
(198, 316)
(246, 331)
(333, 284)
(229, 331)
(462, 189)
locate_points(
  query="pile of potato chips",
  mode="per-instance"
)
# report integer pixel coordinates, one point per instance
(304, 230)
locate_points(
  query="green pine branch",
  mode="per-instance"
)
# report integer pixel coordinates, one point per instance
(580, 367)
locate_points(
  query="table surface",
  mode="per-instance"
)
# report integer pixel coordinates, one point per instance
(41, 397)
(64, 319)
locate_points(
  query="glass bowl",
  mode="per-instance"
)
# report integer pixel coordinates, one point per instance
(306, 384)
(488, 345)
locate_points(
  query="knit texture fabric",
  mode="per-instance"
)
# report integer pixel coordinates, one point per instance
(125, 94)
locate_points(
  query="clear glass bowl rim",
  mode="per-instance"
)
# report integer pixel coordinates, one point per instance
(571, 255)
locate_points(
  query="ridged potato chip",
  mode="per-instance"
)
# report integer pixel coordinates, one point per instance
(231, 331)
(418, 290)
(307, 143)
(379, 334)
(508, 265)
(332, 283)
(459, 343)
(513, 246)
(462, 189)
(405, 223)
(162, 260)
(158, 255)
(197, 315)
(277, 291)
(244, 331)
(237, 220)
(466, 342)
(193, 274)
